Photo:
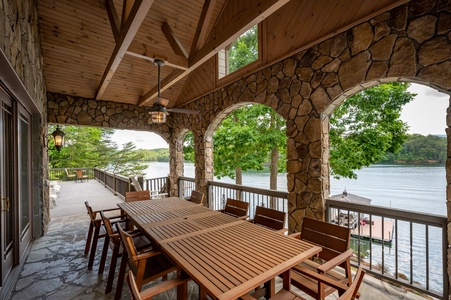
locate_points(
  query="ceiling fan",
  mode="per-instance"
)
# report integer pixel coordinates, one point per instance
(158, 111)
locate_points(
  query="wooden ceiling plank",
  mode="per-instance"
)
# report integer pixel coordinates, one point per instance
(202, 25)
(131, 26)
(174, 42)
(258, 11)
(114, 19)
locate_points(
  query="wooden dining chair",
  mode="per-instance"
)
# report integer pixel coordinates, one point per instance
(197, 197)
(334, 240)
(347, 293)
(136, 294)
(137, 196)
(95, 231)
(80, 176)
(113, 241)
(146, 264)
(70, 176)
(236, 208)
(270, 218)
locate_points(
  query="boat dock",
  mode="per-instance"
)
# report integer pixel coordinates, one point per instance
(374, 231)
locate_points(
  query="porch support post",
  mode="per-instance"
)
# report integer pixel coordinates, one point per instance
(448, 187)
(203, 148)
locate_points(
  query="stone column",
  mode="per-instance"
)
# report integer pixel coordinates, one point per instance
(203, 161)
(175, 164)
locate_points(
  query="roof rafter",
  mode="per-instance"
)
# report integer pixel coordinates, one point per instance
(174, 42)
(129, 29)
(202, 26)
(114, 18)
(256, 11)
(150, 53)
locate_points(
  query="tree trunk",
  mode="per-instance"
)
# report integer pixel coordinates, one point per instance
(238, 180)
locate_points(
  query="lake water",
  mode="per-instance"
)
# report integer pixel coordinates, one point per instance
(414, 188)
(417, 188)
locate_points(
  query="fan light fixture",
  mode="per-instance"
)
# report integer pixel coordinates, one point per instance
(159, 114)
(58, 139)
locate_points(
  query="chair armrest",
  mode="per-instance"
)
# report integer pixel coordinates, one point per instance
(146, 255)
(109, 209)
(164, 286)
(329, 265)
(243, 217)
(322, 278)
(250, 220)
(283, 230)
(295, 235)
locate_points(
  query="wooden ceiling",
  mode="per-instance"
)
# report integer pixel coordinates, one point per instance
(104, 49)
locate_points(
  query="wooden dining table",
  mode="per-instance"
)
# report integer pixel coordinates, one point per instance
(225, 256)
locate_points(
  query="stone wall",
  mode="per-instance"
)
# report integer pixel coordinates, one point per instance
(20, 44)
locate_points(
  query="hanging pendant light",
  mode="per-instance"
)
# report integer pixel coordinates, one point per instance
(159, 113)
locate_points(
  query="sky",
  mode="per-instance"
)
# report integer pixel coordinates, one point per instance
(426, 114)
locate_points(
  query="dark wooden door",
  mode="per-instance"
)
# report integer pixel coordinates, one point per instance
(7, 230)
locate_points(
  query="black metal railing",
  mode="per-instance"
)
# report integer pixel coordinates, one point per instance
(406, 247)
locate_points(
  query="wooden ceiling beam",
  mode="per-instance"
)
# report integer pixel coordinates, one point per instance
(256, 11)
(114, 19)
(174, 42)
(164, 81)
(128, 32)
(202, 25)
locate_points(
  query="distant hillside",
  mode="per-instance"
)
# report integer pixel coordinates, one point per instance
(160, 154)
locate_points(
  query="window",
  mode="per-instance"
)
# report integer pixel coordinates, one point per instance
(240, 53)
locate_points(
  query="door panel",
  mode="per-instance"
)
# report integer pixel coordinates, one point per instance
(24, 188)
(6, 185)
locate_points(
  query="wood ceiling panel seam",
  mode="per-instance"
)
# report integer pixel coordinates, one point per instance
(368, 7)
(349, 14)
(53, 49)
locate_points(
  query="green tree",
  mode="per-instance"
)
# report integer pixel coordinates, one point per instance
(188, 147)
(419, 148)
(246, 139)
(244, 50)
(366, 126)
(88, 147)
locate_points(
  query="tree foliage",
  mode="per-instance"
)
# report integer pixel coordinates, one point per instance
(188, 147)
(366, 126)
(419, 148)
(245, 139)
(88, 147)
(244, 50)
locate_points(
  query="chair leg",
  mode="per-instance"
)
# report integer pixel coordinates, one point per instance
(94, 245)
(104, 254)
(114, 257)
(121, 276)
(89, 238)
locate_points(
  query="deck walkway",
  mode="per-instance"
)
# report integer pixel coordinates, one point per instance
(57, 269)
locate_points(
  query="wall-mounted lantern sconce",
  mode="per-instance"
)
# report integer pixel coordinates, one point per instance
(58, 139)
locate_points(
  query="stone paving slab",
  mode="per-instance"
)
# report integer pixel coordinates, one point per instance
(56, 267)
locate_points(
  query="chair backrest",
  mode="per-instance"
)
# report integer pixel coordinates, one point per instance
(129, 244)
(109, 227)
(197, 197)
(236, 207)
(353, 289)
(79, 173)
(91, 213)
(137, 196)
(270, 218)
(334, 239)
(134, 291)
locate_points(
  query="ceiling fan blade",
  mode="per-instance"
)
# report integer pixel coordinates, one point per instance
(162, 101)
(183, 111)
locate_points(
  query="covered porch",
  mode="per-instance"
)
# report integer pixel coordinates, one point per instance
(97, 63)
